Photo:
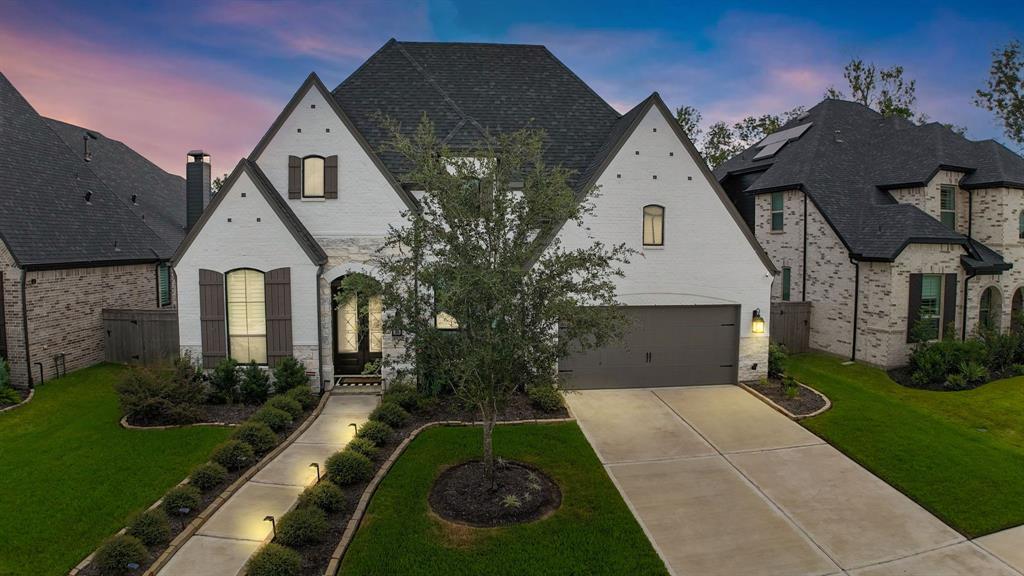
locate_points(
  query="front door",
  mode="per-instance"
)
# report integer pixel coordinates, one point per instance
(358, 333)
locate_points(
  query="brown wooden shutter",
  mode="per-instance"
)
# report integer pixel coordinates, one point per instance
(914, 305)
(949, 303)
(278, 296)
(212, 318)
(331, 177)
(294, 177)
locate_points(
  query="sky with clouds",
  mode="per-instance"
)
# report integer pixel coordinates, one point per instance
(167, 77)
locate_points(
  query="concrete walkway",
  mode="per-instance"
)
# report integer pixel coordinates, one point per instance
(236, 530)
(724, 485)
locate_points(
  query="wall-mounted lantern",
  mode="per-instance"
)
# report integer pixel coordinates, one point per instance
(757, 322)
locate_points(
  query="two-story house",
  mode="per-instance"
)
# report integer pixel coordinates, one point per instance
(313, 202)
(893, 231)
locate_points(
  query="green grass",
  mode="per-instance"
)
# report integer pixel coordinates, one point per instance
(958, 454)
(70, 475)
(592, 533)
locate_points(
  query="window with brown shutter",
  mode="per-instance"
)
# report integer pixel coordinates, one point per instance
(331, 177)
(278, 294)
(211, 318)
(294, 177)
(3, 321)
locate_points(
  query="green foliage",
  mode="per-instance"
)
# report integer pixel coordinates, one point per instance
(303, 395)
(391, 414)
(302, 526)
(289, 405)
(276, 418)
(689, 119)
(224, 382)
(545, 397)
(9, 395)
(402, 393)
(789, 387)
(289, 373)
(234, 455)
(258, 435)
(363, 446)
(931, 363)
(375, 431)
(324, 495)
(349, 467)
(5, 374)
(114, 556)
(1004, 93)
(883, 89)
(274, 560)
(511, 501)
(1017, 370)
(722, 141)
(153, 395)
(255, 384)
(151, 527)
(776, 360)
(974, 373)
(208, 476)
(180, 497)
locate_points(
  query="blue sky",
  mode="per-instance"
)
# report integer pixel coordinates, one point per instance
(169, 76)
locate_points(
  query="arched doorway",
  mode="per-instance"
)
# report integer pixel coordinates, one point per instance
(1017, 310)
(357, 322)
(990, 309)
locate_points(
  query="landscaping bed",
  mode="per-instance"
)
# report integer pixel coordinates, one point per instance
(526, 494)
(796, 399)
(12, 397)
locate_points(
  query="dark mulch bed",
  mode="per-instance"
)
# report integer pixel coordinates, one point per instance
(805, 402)
(219, 413)
(22, 393)
(520, 494)
(903, 377)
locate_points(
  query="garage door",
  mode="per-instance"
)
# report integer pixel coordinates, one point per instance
(664, 346)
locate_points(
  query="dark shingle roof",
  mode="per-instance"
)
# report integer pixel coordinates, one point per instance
(44, 217)
(851, 155)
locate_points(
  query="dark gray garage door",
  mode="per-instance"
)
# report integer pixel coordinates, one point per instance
(665, 346)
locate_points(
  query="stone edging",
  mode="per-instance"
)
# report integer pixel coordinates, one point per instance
(787, 413)
(371, 488)
(217, 502)
(127, 426)
(31, 394)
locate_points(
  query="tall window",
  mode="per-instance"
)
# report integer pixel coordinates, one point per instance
(654, 225)
(931, 306)
(989, 308)
(247, 316)
(163, 280)
(947, 205)
(1020, 225)
(312, 177)
(777, 206)
(786, 277)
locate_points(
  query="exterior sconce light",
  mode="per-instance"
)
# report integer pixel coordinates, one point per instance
(757, 322)
(273, 525)
(317, 466)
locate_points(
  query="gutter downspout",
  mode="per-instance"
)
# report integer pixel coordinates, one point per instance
(856, 305)
(319, 332)
(24, 325)
(803, 281)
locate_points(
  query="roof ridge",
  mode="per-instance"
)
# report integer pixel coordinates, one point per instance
(443, 43)
(363, 65)
(580, 80)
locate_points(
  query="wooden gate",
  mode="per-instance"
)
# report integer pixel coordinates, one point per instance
(140, 336)
(790, 325)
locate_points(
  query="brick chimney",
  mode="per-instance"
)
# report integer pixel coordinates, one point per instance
(197, 186)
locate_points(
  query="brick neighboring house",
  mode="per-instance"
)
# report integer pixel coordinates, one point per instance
(86, 223)
(881, 223)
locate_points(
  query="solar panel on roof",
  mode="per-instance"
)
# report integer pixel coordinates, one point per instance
(785, 135)
(770, 150)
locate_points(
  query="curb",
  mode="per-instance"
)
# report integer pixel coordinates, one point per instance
(31, 395)
(127, 426)
(787, 413)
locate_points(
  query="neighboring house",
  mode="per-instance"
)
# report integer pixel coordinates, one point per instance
(85, 224)
(888, 228)
(314, 200)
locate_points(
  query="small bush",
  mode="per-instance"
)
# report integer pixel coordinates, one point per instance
(274, 560)
(150, 395)
(956, 382)
(276, 418)
(391, 414)
(289, 405)
(931, 363)
(116, 554)
(258, 435)
(349, 467)
(254, 386)
(181, 497)
(9, 395)
(234, 455)
(208, 476)
(789, 387)
(377, 432)
(224, 382)
(776, 360)
(973, 372)
(363, 446)
(290, 373)
(151, 527)
(302, 526)
(303, 395)
(1017, 370)
(404, 394)
(545, 397)
(324, 495)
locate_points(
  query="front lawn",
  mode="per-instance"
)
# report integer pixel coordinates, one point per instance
(70, 475)
(958, 454)
(592, 533)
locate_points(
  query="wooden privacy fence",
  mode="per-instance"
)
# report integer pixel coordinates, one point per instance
(790, 325)
(140, 336)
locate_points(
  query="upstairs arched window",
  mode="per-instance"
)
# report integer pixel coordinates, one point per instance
(654, 225)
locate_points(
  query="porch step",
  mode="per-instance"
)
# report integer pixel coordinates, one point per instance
(357, 384)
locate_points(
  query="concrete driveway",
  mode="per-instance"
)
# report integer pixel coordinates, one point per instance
(724, 485)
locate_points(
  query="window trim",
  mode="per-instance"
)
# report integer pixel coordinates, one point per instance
(943, 190)
(780, 211)
(323, 178)
(227, 314)
(643, 231)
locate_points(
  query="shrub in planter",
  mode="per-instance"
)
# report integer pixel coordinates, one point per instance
(181, 497)
(114, 556)
(363, 446)
(303, 395)
(254, 385)
(289, 405)
(8, 395)
(234, 455)
(302, 526)
(149, 395)
(391, 414)
(224, 382)
(276, 418)
(151, 527)
(274, 560)
(789, 387)
(288, 374)
(974, 373)
(258, 435)
(324, 495)
(545, 397)
(377, 432)
(208, 476)
(349, 467)
(404, 394)
(931, 363)
(776, 359)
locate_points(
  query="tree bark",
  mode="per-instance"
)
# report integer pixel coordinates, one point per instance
(488, 459)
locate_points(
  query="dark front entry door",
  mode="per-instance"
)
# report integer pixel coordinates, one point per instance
(357, 334)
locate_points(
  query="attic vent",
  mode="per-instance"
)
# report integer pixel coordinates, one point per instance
(88, 196)
(771, 145)
(135, 199)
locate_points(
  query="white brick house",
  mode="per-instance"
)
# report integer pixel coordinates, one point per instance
(317, 195)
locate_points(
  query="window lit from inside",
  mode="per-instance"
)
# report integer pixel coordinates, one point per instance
(247, 316)
(654, 225)
(313, 177)
(777, 207)
(947, 207)
(931, 306)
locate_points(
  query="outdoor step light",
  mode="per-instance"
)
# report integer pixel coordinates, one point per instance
(757, 322)
(273, 525)
(317, 466)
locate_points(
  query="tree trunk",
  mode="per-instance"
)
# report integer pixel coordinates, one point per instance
(488, 426)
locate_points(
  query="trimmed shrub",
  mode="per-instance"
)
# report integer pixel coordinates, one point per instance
(116, 554)
(149, 395)
(349, 467)
(276, 418)
(5, 374)
(303, 395)
(181, 497)
(776, 360)
(545, 397)
(931, 363)
(224, 382)
(254, 385)
(290, 373)
(289, 405)
(363, 446)
(324, 495)
(208, 476)
(302, 526)
(274, 560)
(234, 455)
(391, 414)
(9, 395)
(403, 394)
(974, 373)
(151, 527)
(377, 432)
(258, 435)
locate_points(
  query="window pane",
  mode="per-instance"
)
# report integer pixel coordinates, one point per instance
(247, 318)
(654, 225)
(776, 221)
(313, 177)
(786, 275)
(445, 321)
(348, 326)
(949, 219)
(931, 304)
(777, 203)
(376, 325)
(1020, 225)
(948, 198)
